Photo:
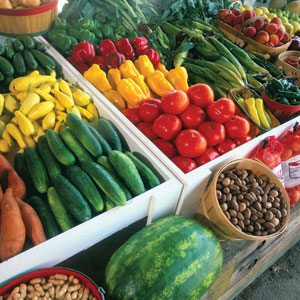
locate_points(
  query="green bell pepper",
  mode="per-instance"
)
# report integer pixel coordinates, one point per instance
(107, 31)
(86, 35)
(98, 33)
(86, 24)
(132, 34)
(121, 31)
(60, 23)
(73, 42)
(62, 42)
(54, 32)
(74, 32)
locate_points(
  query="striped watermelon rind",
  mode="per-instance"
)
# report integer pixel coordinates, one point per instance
(174, 258)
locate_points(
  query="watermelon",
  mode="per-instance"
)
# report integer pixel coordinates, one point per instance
(174, 258)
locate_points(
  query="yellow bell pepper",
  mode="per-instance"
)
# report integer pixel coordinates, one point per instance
(114, 77)
(131, 92)
(24, 123)
(140, 81)
(40, 110)
(4, 146)
(128, 69)
(65, 88)
(85, 113)
(178, 77)
(11, 104)
(162, 68)
(81, 98)
(48, 121)
(63, 99)
(14, 131)
(98, 78)
(1, 104)
(115, 98)
(144, 65)
(29, 102)
(158, 83)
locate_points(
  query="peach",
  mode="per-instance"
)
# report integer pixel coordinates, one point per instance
(274, 39)
(250, 31)
(272, 28)
(236, 12)
(280, 44)
(222, 13)
(286, 38)
(259, 24)
(263, 37)
(229, 19)
(276, 21)
(247, 14)
(238, 19)
(269, 44)
(280, 34)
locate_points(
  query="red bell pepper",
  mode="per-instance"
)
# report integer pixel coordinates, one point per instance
(83, 52)
(114, 60)
(140, 44)
(106, 47)
(81, 67)
(153, 56)
(100, 61)
(124, 47)
(71, 60)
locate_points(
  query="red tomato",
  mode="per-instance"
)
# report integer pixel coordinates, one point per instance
(132, 114)
(294, 195)
(147, 130)
(166, 147)
(150, 110)
(185, 164)
(237, 127)
(192, 117)
(174, 102)
(214, 132)
(190, 143)
(201, 95)
(226, 146)
(243, 140)
(222, 110)
(295, 145)
(167, 126)
(209, 155)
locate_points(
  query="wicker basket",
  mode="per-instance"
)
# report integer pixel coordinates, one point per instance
(289, 70)
(250, 44)
(209, 206)
(32, 21)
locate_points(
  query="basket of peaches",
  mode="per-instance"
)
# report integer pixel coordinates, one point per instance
(255, 33)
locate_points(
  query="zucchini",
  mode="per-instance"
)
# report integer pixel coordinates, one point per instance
(30, 61)
(105, 181)
(36, 169)
(58, 149)
(105, 163)
(149, 178)
(9, 48)
(73, 200)
(109, 204)
(27, 41)
(127, 171)
(52, 165)
(60, 213)
(19, 64)
(101, 140)
(74, 145)
(85, 185)
(45, 61)
(43, 210)
(6, 67)
(105, 128)
(81, 130)
(18, 46)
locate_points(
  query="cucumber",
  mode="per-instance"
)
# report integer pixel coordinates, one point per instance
(60, 213)
(45, 61)
(105, 163)
(27, 41)
(127, 171)
(19, 64)
(72, 198)
(9, 48)
(36, 169)
(149, 178)
(105, 182)
(6, 67)
(43, 210)
(101, 140)
(52, 165)
(74, 145)
(84, 135)
(58, 149)
(85, 185)
(105, 128)
(30, 61)
(2, 50)
(18, 46)
(109, 204)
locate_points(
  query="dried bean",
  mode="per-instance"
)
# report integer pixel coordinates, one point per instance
(234, 221)
(224, 206)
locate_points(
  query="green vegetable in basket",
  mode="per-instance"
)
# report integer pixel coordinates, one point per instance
(86, 35)
(62, 42)
(60, 23)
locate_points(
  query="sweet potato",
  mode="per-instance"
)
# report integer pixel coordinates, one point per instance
(17, 184)
(5, 166)
(33, 224)
(13, 232)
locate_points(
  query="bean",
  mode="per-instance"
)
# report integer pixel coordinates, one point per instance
(267, 205)
(257, 233)
(269, 225)
(271, 199)
(257, 226)
(254, 218)
(260, 215)
(250, 228)
(247, 213)
(219, 186)
(226, 190)
(264, 210)
(249, 197)
(257, 206)
(275, 222)
(224, 206)
(275, 204)
(278, 214)
(232, 213)
(271, 231)
(240, 216)
(228, 197)
(247, 222)
(240, 197)
(241, 225)
(269, 216)
(227, 215)
(242, 207)
(264, 233)
(226, 182)
(234, 221)
(234, 205)
(261, 221)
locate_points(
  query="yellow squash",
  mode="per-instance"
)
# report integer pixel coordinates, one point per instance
(29, 102)
(40, 110)
(24, 123)
(48, 121)
(14, 131)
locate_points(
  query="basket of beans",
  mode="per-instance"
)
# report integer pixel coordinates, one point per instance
(246, 201)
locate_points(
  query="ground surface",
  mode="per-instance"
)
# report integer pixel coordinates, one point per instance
(280, 282)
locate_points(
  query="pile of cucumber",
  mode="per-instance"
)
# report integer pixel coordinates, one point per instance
(81, 172)
(21, 56)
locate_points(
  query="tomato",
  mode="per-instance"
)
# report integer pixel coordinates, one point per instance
(166, 147)
(222, 110)
(147, 130)
(295, 145)
(214, 132)
(226, 146)
(237, 127)
(201, 95)
(150, 110)
(174, 102)
(294, 195)
(287, 150)
(190, 143)
(132, 114)
(185, 164)
(167, 126)
(192, 117)
(209, 155)
(243, 140)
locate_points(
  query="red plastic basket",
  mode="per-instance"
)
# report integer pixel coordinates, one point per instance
(281, 111)
(52, 271)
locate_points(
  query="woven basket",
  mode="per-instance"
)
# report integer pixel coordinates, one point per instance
(209, 206)
(32, 21)
(289, 70)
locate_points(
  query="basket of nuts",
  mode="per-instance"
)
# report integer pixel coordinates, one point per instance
(52, 283)
(246, 201)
